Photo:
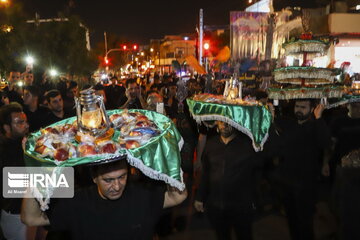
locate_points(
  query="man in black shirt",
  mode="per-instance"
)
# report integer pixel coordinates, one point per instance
(56, 107)
(114, 94)
(14, 127)
(13, 90)
(226, 190)
(344, 165)
(35, 114)
(133, 98)
(170, 101)
(69, 102)
(346, 133)
(300, 146)
(109, 210)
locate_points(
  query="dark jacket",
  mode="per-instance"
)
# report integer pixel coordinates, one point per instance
(228, 174)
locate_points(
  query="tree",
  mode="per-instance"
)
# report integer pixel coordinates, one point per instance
(13, 18)
(53, 44)
(61, 45)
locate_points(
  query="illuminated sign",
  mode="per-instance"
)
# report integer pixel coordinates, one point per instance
(261, 6)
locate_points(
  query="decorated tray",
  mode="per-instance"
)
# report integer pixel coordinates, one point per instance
(351, 98)
(344, 100)
(148, 140)
(305, 46)
(330, 91)
(251, 118)
(304, 75)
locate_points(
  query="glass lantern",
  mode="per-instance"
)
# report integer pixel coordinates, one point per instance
(233, 89)
(91, 113)
(355, 86)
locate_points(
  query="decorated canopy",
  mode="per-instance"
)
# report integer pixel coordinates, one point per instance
(303, 45)
(304, 75)
(298, 92)
(305, 81)
(253, 119)
(157, 158)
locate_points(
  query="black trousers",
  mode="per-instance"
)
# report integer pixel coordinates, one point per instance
(299, 204)
(347, 189)
(224, 220)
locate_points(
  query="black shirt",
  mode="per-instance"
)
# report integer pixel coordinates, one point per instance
(13, 95)
(171, 110)
(88, 216)
(135, 104)
(11, 155)
(300, 148)
(228, 174)
(114, 94)
(51, 118)
(346, 130)
(36, 119)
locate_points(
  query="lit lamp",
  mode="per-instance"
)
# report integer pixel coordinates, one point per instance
(355, 87)
(91, 113)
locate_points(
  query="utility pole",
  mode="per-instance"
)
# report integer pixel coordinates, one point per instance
(105, 40)
(201, 33)
(269, 37)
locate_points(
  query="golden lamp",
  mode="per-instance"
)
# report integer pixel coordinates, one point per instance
(91, 113)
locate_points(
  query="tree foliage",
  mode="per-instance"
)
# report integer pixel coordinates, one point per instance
(61, 45)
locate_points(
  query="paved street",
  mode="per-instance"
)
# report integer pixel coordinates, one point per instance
(270, 225)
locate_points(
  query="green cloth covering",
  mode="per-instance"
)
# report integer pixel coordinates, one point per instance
(158, 159)
(254, 120)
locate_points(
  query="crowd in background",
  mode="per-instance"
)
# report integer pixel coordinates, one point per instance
(45, 102)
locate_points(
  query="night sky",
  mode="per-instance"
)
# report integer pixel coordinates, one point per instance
(141, 20)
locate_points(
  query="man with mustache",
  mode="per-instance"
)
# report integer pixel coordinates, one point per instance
(13, 127)
(227, 185)
(300, 147)
(133, 98)
(113, 208)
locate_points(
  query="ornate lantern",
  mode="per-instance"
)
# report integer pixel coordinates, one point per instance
(233, 89)
(91, 113)
(355, 87)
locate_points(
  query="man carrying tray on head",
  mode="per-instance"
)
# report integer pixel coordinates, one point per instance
(227, 186)
(303, 149)
(111, 209)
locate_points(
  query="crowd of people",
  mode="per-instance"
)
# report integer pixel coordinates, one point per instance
(305, 142)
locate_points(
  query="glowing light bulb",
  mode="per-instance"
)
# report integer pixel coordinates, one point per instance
(53, 72)
(92, 118)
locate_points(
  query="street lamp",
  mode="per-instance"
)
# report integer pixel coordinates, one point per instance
(206, 46)
(151, 50)
(53, 72)
(4, 3)
(104, 76)
(29, 62)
